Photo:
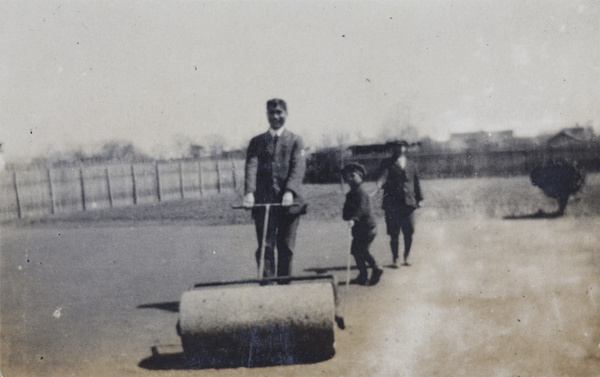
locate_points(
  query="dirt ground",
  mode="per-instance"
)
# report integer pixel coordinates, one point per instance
(483, 297)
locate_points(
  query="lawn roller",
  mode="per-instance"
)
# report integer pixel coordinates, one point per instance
(259, 321)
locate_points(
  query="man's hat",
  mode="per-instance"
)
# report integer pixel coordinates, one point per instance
(354, 167)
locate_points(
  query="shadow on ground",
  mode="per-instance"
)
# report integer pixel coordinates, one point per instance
(324, 270)
(172, 306)
(183, 361)
(537, 215)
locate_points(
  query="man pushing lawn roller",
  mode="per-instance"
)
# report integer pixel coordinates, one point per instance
(275, 167)
(250, 322)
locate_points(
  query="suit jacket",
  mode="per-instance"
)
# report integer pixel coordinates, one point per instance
(270, 171)
(401, 186)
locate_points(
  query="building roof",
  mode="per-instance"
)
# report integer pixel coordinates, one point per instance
(574, 135)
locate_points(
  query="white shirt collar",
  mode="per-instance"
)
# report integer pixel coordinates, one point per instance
(401, 161)
(278, 132)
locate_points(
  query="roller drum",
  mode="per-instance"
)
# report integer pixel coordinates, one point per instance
(254, 325)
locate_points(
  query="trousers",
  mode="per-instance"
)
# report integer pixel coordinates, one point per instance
(281, 236)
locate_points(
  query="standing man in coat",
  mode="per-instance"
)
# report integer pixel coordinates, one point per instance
(401, 196)
(275, 167)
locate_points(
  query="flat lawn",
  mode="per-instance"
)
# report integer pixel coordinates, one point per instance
(444, 199)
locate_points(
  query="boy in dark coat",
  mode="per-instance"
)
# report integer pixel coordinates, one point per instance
(357, 211)
(401, 196)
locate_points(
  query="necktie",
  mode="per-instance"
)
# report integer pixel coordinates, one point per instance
(275, 140)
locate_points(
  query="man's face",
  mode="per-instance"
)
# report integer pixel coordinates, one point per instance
(276, 117)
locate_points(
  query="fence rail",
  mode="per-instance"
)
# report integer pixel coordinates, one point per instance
(487, 163)
(36, 192)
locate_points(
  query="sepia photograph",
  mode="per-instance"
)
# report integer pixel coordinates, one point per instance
(299, 188)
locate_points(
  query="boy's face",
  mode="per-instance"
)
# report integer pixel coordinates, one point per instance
(352, 178)
(276, 116)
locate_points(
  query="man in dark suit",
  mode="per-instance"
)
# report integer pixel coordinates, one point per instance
(275, 167)
(401, 196)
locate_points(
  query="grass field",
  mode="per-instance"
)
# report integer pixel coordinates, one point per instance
(444, 199)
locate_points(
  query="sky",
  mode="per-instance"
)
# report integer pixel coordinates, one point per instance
(76, 74)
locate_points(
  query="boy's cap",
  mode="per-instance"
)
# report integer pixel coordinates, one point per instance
(354, 167)
(397, 143)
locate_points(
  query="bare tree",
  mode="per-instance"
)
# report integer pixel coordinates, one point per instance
(398, 125)
(181, 146)
(327, 141)
(215, 143)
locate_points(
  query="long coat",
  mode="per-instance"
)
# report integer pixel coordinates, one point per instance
(272, 170)
(401, 186)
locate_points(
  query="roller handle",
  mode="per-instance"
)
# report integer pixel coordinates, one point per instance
(261, 261)
(264, 205)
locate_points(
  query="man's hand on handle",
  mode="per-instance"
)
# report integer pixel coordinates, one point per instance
(288, 199)
(248, 200)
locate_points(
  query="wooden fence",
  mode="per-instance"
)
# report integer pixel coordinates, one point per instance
(35, 192)
(487, 163)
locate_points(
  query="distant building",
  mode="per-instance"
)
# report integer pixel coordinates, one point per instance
(359, 150)
(575, 136)
(234, 154)
(197, 151)
(2, 163)
(481, 140)
(368, 149)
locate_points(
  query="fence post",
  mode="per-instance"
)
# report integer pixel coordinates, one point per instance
(51, 191)
(158, 189)
(133, 182)
(200, 177)
(233, 175)
(218, 177)
(82, 188)
(181, 189)
(19, 213)
(341, 165)
(110, 197)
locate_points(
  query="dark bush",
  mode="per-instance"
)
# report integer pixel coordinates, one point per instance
(323, 167)
(558, 179)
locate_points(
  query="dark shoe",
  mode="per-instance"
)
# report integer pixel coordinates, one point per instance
(375, 276)
(359, 281)
(406, 264)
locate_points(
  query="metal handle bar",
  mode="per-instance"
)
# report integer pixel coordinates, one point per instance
(261, 261)
(265, 205)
